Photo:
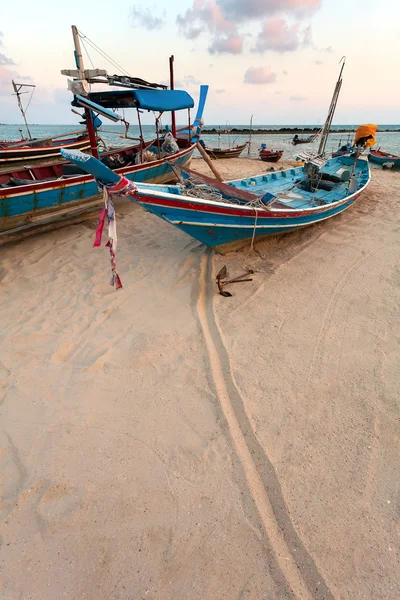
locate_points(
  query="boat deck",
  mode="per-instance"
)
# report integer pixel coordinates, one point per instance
(285, 185)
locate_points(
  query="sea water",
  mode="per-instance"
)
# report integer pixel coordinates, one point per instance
(112, 136)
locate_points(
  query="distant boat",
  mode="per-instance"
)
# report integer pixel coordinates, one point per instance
(32, 149)
(346, 149)
(270, 155)
(219, 153)
(386, 159)
(296, 140)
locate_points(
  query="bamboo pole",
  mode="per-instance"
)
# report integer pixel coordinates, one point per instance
(208, 161)
(251, 126)
(88, 114)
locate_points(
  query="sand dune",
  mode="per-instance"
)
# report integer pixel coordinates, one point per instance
(164, 442)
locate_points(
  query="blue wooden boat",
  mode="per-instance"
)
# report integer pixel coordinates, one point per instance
(225, 216)
(36, 195)
(385, 159)
(345, 149)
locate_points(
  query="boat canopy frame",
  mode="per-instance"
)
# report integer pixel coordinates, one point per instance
(152, 100)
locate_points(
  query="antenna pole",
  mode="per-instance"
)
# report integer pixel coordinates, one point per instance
(81, 76)
(17, 87)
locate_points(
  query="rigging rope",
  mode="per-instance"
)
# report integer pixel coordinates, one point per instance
(30, 98)
(87, 52)
(101, 52)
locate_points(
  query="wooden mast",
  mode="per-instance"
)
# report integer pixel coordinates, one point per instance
(172, 86)
(251, 127)
(81, 76)
(331, 113)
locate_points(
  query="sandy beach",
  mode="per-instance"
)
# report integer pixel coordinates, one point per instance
(163, 442)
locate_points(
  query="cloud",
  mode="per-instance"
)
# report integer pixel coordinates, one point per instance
(277, 93)
(5, 60)
(276, 34)
(206, 15)
(327, 49)
(191, 80)
(285, 72)
(227, 45)
(254, 9)
(319, 62)
(259, 75)
(222, 20)
(297, 98)
(220, 91)
(145, 17)
(5, 80)
(182, 84)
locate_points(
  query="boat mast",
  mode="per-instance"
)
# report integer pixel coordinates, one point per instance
(17, 89)
(331, 113)
(251, 126)
(81, 76)
(172, 86)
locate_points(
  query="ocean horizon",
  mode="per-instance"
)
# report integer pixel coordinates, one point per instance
(112, 135)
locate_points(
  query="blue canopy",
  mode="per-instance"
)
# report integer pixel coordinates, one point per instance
(157, 100)
(163, 100)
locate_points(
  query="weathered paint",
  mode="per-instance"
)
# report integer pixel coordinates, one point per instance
(18, 203)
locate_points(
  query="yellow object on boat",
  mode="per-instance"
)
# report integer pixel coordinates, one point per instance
(365, 131)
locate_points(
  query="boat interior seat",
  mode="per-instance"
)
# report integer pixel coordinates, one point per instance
(15, 182)
(69, 169)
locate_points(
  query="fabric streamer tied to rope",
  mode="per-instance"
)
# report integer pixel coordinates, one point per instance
(123, 186)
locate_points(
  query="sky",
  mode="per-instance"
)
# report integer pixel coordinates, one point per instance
(275, 59)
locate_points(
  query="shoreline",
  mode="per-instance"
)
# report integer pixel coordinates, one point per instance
(283, 130)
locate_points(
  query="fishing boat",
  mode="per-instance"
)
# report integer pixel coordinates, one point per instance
(345, 149)
(219, 153)
(32, 149)
(296, 140)
(32, 196)
(269, 155)
(225, 216)
(35, 195)
(385, 159)
(35, 150)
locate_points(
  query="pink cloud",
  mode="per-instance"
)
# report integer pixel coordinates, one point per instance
(6, 75)
(252, 9)
(276, 34)
(259, 75)
(204, 15)
(232, 45)
(223, 19)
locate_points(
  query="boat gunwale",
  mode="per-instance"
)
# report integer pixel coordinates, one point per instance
(44, 186)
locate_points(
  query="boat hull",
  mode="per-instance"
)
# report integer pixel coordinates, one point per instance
(297, 142)
(41, 202)
(220, 153)
(383, 158)
(271, 156)
(227, 229)
(11, 155)
(228, 224)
